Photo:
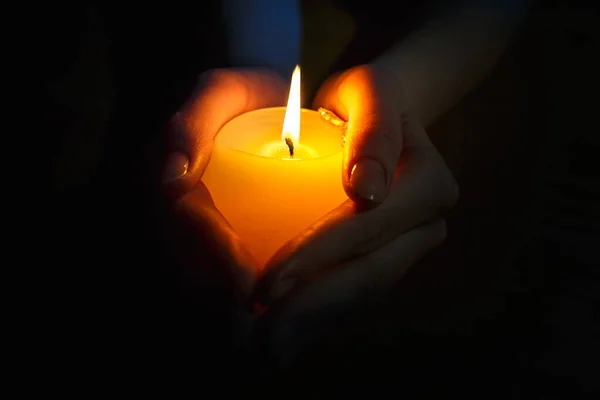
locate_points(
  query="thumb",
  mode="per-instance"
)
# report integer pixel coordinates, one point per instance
(220, 96)
(374, 132)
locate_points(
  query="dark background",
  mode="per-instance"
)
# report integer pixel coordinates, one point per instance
(506, 308)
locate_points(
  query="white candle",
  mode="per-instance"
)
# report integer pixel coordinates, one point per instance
(266, 194)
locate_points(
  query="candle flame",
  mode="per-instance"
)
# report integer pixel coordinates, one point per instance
(291, 122)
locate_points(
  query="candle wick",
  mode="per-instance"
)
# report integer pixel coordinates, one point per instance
(290, 146)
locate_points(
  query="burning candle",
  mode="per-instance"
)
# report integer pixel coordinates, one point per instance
(275, 171)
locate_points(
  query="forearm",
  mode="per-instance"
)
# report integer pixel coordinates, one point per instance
(264, 33)
(437, 65)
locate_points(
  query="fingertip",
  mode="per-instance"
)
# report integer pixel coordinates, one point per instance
(176, 167)
(258, 300)
(368, 182)
(276, 291)
(177, 176)
(265, 294)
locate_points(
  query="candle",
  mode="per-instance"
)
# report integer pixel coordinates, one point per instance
(275, 171)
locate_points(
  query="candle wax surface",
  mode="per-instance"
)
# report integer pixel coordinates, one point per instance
(280, 150)
(267, 196)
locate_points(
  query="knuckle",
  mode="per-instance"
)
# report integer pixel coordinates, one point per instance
(376, 139)
(214, 79)
(179, 130)
(361, 133)
(177, 122)
(372, 233)
(391, 137)
(217, 76)
(362, 76)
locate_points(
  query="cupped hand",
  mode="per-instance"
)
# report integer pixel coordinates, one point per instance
(400, 188)
(208, 249)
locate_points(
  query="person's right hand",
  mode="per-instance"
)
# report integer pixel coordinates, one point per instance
(400, 188)
(205, 245)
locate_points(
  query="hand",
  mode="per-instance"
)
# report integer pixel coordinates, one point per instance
(208, 248)
(400, 188)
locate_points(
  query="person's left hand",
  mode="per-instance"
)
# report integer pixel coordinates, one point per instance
(217, 273)
(400, 189)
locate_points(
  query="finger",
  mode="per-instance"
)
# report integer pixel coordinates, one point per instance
(374, 132)
(423, 190)
(208, 247)
(220, 96)
(311, 308)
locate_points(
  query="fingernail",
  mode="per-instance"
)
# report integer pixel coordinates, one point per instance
(176, 166)
(368, 180)
(281, 288)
